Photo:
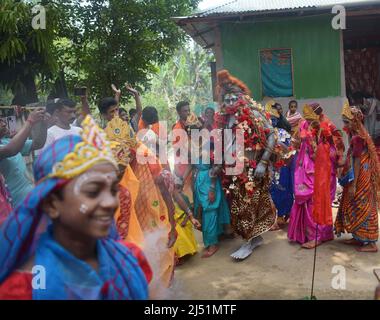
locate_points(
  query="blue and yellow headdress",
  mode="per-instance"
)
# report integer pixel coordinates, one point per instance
(93, 148)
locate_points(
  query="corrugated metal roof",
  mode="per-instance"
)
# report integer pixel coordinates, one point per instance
(246, 6)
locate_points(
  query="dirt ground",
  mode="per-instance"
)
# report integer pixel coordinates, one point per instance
(276, 270)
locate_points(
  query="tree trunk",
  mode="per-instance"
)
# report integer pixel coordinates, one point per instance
(60, 88)
(26, 93)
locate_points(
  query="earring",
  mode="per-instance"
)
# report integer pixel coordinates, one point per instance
(55, 215)
(83, 209)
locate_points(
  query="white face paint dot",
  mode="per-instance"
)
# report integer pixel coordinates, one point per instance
(83, 209)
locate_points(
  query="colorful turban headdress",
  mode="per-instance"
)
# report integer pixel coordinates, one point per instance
(27, 231)
(269, 108)
(119, 132)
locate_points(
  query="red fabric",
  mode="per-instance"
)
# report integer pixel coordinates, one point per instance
(5, 206)
(361, 67)
(143, 262)
(18, 286)
(322, 211)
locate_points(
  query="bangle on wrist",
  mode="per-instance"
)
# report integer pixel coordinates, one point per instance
(264, 161)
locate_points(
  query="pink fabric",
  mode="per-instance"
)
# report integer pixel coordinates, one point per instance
(302, 228)
(5, 207)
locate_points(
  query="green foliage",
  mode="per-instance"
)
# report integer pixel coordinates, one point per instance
(5, 97)
(186, 76)
(24, 51)
(92, 43)
(120, 40)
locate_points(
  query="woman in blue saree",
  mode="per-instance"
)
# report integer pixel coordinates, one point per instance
(210, 205)
(62, 229)
(282, 190)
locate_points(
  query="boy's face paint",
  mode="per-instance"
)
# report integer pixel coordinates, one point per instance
(89, 202)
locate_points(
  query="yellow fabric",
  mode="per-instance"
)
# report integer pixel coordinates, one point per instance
(309, 114)
(272, 111)
(186, 242)
(135, 233)
(119, 132)
(346, 111)
(188, 187)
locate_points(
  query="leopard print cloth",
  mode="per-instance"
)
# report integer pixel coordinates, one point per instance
(254, 215)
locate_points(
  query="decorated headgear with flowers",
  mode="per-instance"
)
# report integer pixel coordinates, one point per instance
(226, 83)
(119, 132)
(312, 111)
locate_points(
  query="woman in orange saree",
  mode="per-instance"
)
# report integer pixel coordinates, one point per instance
(143, 216)
(357, 212)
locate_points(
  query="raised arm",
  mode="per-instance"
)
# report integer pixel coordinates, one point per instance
(136, 96)
(17, 142)
(117, 93)
(39, 133)
(85, 109)
(85, 105)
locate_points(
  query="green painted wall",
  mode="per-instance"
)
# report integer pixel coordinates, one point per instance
(315, 49)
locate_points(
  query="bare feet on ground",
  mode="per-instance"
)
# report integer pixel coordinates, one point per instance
(208, 252)
(371, 247)
(311, 244)
(352, 242)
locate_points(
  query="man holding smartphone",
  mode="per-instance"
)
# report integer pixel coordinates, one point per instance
(12, 151)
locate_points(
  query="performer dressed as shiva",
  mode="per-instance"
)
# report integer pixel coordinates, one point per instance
(252, 209)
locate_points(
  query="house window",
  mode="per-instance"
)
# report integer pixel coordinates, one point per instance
(276, 72)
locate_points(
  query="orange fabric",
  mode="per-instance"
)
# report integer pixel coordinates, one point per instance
(155, 127)
(322, 210)
(153, 216)
(155, 168)
(179, 168)
(178, 125)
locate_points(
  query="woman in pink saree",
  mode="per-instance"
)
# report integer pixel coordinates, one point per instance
(302, 226)
(5, 200)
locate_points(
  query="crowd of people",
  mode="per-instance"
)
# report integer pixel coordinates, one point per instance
(109, 217)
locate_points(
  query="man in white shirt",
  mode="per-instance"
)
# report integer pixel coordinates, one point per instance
(63, 111)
